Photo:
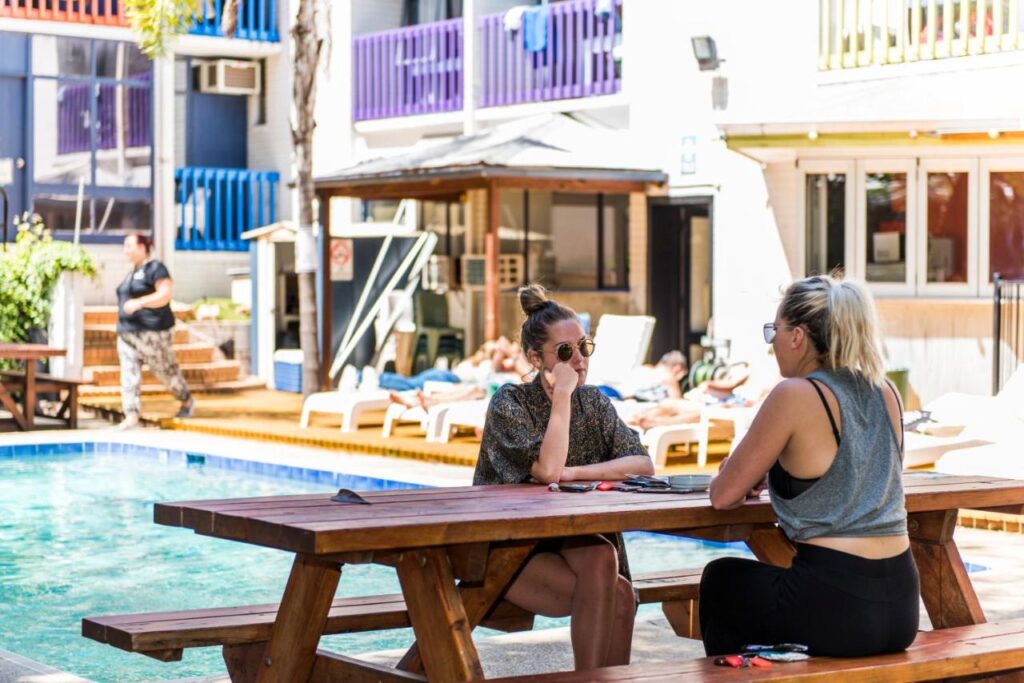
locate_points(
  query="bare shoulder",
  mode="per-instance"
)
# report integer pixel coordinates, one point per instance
(792, 392)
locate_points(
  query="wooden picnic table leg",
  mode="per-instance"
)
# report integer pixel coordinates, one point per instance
(946, 589)
(438, 616)
(30, 393)
(503, 564)
(9, 403)
(770, 545)
(291, 652)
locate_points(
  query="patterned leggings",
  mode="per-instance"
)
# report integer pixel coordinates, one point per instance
(155, 349)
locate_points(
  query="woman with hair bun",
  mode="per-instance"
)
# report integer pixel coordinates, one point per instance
(828, 444)
(557, 429)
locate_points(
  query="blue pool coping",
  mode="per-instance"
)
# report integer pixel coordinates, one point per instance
(177, 456)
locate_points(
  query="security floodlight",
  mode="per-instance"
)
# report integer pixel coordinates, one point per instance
(705, 52)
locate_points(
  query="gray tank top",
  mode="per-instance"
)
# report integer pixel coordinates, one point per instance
(861, 493)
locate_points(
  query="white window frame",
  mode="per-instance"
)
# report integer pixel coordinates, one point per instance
(907, 287)
(986, 167)
(848, 168)
(968, 165)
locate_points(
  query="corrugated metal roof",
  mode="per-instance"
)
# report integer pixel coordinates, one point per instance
(549, 146)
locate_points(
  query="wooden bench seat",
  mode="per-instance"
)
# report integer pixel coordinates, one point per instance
(977, 650)
(44, 383)
(163, 635)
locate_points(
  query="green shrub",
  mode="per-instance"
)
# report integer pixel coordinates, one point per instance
(28, 271)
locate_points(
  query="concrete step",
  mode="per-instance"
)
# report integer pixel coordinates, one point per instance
(240, 384)
(107, 315)
(195, 373)
(186, 353)
(106, 335)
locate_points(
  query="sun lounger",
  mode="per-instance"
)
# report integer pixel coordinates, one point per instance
(347, 401)
(460, 414)
(963, 422)
(620, 346)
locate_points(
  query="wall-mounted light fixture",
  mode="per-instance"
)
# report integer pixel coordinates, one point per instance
(705, 52)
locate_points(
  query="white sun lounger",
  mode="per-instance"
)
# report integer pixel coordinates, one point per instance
(459, 414)
(352, 406)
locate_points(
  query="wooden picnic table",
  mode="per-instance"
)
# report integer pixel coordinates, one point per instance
(29, 353)
(482, 535)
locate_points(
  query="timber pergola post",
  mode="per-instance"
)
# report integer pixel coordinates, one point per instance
(492, 246)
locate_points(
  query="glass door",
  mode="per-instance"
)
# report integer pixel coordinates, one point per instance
(885, 250)
(946, 229)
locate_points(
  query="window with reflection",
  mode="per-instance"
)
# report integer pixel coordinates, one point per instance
(947, 227)
(93, 115)
(826, 222)
(1006, 224)
(886, 209)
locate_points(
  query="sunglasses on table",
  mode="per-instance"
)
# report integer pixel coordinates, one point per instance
(771, 329)
(565, 350)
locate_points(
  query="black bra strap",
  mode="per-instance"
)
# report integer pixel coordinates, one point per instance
(832, 420)
(899, 404)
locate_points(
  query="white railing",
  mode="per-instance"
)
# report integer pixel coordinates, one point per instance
(854, 33)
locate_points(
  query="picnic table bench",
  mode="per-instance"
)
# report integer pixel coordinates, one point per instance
(68, 411)
(481, 537)
(28, 384)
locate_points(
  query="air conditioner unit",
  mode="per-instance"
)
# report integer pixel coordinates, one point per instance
(229, 77)
(510, 271)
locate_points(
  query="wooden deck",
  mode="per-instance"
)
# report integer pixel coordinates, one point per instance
(265, 415)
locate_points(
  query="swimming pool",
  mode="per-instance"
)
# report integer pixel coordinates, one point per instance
(77, 538)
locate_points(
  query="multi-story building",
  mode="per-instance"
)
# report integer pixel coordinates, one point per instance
(100, 141)
(882, 136)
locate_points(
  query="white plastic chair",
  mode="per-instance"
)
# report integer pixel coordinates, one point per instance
(620, 346)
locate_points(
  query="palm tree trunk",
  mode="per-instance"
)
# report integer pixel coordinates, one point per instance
(306, 47)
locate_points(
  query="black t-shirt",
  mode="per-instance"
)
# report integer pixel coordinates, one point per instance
(142, 281)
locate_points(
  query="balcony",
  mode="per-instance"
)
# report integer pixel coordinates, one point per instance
(407, 71)
(214, 206)
(578, 59)
(856, 33)
(257, 19)
(418, 69)
(104, 12)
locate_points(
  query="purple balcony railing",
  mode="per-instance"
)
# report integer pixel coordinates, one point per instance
(412, 70)
(578, 60)
(73, 115)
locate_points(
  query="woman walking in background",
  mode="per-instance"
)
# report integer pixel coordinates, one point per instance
(145, 331)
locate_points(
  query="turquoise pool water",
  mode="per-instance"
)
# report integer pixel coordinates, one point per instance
(77, 538)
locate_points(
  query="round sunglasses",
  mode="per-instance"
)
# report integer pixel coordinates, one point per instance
(565, 350)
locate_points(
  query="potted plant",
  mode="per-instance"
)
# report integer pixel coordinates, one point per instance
(29, 270)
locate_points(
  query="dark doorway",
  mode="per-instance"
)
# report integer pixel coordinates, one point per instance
(679, 274)
(12, 144)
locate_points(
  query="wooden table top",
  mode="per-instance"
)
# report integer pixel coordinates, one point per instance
(419, 518)
(29, 351)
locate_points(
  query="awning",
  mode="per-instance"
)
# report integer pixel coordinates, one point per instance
(553, 152)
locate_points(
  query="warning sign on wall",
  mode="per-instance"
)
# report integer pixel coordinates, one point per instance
(341, 260)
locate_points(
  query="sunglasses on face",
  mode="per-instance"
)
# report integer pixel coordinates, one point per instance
(771, 329)
(565, 350)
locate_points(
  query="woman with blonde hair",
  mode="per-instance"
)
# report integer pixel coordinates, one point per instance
(558, 429)
(828, 444)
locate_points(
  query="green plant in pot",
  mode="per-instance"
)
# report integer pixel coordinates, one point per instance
(29, 269)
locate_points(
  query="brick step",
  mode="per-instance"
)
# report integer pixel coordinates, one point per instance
(106, 335)
(107, 315)
(192, 353)
(198, 373)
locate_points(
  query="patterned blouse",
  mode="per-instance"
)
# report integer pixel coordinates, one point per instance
(517, 419)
